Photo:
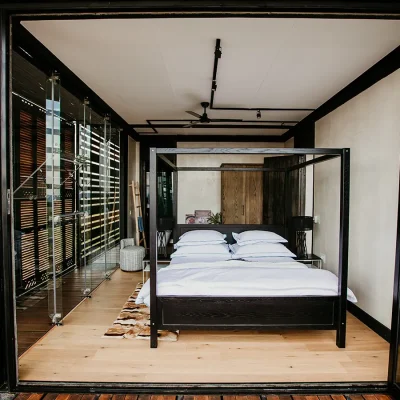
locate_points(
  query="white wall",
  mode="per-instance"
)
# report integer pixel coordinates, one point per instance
(369, 125)
(133, 175)
(202, 190)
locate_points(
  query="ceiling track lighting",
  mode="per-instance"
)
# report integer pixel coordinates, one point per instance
(217, 57)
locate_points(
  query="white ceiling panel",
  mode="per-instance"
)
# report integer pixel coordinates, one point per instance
(159, 68)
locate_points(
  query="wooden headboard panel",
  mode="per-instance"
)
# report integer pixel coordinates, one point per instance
(180, 229)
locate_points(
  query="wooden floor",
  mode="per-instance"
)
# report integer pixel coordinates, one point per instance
(77, 351)
(33, 320)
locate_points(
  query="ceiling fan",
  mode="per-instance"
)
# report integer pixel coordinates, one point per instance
(203, 119)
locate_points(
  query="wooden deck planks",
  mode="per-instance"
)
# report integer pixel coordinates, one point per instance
(65, 396)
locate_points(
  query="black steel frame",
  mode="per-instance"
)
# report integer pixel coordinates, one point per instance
(8, 342)
(48, 9)
(174, 312)
(395, 328)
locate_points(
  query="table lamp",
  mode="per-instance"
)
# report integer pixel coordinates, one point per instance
(300, 225)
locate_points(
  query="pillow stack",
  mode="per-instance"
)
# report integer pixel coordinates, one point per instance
(202, 245)
(260, 246)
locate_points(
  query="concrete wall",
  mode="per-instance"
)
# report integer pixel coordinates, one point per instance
(369, 125)
(202, 190)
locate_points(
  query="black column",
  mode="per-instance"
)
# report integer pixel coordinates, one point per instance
(8, 369)
(343, 247)
(153, 248)
(304, 137)
(395, 329)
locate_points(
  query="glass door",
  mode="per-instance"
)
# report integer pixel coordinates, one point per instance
(105, 198)
(83, 191)
(111, 199)
(53, 198)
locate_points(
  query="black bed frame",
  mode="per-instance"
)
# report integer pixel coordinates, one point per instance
(257, 313)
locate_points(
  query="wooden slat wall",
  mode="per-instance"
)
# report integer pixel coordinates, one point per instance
(30, 209)
(95, 203)
(64, 396)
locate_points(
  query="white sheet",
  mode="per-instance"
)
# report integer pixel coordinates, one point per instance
(240, 278)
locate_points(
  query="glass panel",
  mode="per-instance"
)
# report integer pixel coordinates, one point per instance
(105, 184)
(53, 198)
(58, 200)
(112, 201)
(105, 211)
(32, 163)
(84, 193)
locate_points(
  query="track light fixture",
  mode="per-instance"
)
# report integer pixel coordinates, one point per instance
(258, 114)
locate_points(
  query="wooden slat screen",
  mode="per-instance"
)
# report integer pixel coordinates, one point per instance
(96, 181)
(30, 210)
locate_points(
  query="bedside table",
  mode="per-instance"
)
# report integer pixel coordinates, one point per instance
(160, 265)
(311, 259)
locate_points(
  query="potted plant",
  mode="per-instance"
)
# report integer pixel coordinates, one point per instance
(215, 219)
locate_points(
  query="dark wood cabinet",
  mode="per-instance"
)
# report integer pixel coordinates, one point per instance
(242, 195)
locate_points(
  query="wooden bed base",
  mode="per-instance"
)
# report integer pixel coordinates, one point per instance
(262, 313)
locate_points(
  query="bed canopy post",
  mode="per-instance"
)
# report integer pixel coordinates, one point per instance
(287, 207)
(153, 247)
(343, 246)
(175, 203)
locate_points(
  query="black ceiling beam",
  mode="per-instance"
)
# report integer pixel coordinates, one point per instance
(245, 120)
(240, 169)
(273, 8)
(217, 56)
(213, 138)
(378, 71)
(43, 59)
(153, 126)
(210, 126)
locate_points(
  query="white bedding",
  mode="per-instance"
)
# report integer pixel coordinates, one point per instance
(235, 278)
(196, 259)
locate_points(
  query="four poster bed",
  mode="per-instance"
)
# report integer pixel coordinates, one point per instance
(257, 312)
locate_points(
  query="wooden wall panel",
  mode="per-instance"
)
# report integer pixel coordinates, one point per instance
(254, 197)
(233, 197)
(242, 195)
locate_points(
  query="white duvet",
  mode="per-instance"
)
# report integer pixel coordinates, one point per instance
(235, 278)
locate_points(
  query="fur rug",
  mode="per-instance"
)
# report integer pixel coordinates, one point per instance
(133, 322)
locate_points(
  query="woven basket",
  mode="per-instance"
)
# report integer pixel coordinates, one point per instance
(131, 257)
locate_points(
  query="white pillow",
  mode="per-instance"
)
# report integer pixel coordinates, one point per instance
(253, 237)
(273, 260)
(206, 250)
(260, 250)
(183, 243)
(205, 235)
(196, 258)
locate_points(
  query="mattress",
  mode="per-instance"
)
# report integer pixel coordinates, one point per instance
(235, 278)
